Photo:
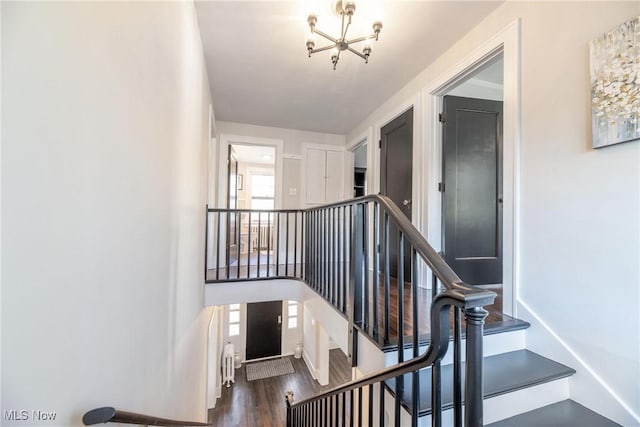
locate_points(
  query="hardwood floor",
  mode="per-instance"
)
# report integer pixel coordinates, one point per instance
(424, 302)
(262, 402)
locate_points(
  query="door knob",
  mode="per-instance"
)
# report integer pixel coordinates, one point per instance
(406, 202)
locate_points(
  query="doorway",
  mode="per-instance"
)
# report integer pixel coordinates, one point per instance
(360, 170)
(396, 169)
(472, 176)
(251, 185)
(232, 203)
(264, 329)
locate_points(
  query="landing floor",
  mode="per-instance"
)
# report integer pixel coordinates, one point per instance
(262, 402)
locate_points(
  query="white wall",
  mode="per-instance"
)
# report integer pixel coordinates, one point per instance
(105, 122)
(579, 208)
(214, 359)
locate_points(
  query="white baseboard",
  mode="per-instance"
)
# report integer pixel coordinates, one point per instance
(307, 361)
(587, 387)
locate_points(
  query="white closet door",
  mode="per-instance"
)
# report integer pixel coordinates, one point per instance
(335, 176)
(316, 161)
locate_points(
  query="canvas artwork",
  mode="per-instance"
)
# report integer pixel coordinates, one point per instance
(615, 85)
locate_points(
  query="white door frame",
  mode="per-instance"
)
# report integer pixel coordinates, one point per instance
(365, 137)
(507, 43)
(212, 187)
(228, 139)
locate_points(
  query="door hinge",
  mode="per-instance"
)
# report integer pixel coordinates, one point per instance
(379, 143)
(442, 117)
(441, 187)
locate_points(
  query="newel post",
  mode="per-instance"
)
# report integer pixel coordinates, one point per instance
(474, 386)
(288, 397)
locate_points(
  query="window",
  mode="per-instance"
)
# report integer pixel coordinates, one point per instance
(234, 320)
(262, 191)
(293, 314)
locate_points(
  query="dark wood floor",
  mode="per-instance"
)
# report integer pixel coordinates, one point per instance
(423, 322)
(262, 402)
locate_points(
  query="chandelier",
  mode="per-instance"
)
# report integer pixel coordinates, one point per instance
(345, 9)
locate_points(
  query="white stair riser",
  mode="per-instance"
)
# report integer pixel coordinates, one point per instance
(493, 344)
(495, 409)
(510, 404)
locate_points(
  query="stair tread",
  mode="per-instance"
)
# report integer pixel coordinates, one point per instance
(562, 414)
(503, 373)
(507, 324)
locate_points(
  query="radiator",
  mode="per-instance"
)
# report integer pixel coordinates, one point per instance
(228, 365)
(264, 233)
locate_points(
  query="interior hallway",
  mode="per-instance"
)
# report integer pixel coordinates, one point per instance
(262, 402)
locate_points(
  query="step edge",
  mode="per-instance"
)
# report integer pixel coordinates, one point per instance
(449, 405)
(424, 340)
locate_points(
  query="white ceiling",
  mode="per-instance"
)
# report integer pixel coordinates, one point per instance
(260, 74)
(256, 154)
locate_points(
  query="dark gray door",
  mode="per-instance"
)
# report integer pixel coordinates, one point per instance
(472, 198)
(396, 160)
(264, 329)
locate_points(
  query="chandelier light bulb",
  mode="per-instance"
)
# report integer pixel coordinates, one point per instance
(377, 26)
(349, 7)
(335, 55)
(312, 20)
(366, 50)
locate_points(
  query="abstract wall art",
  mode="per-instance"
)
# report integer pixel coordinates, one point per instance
(615, 85)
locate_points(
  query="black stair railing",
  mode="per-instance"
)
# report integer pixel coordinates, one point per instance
(366, 258)
(108, 414)
(246, 244)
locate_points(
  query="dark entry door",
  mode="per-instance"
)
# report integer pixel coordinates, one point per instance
(264, 329)
(396, 160)
(472, 199)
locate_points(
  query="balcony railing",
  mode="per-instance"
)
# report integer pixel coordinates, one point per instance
(366, 259)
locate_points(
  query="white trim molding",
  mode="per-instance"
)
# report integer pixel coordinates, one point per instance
(228, 139)
(365, 137)
(507, 44)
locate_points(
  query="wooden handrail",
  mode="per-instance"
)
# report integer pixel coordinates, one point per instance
(109, 414)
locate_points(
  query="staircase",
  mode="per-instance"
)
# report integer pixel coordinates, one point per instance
(521, 388)
(454, 373)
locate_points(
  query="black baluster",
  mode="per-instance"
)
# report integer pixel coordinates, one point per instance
(387, 277)
(248, 250)
(370, 408)
(457, 368)
(269, 245)
(365, 244)
(345, 270)
(286, 248)
(295, 245)
(376, 277)
(278, 220)
(228, 239)
(259, 242)
(206, 242)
